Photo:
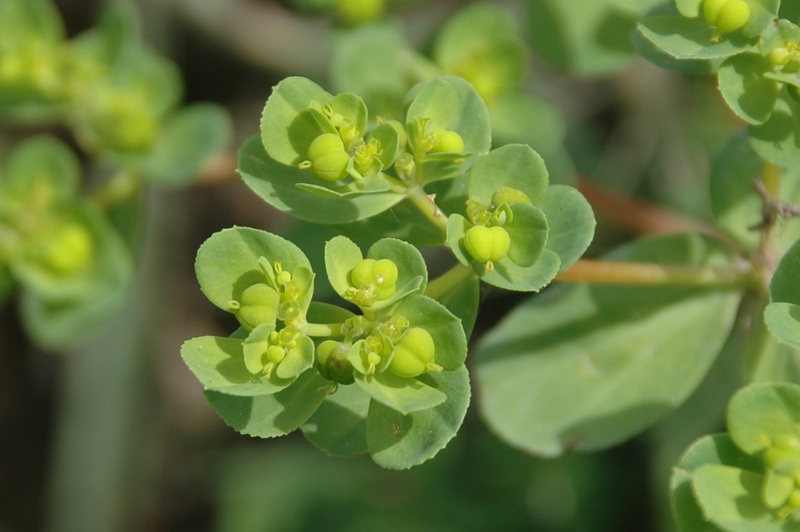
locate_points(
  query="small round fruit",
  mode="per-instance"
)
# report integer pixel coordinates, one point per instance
(726, 15)
(486, 244)
(328, 157)
(258, 304)
(332, 363)
(413, 354)
(447, 142)
(69, 250)
(509, 195)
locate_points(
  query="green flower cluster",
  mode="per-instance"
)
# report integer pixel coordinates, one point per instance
(749, 478)
(60, 247)
(404, 351)
(118, 96)
(751, 47)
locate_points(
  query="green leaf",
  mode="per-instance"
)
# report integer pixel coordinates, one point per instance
(481, 44)
(528, 230)
(228, 262)
(341, 256)
(731, 499)
(647, 49)
(219, 365)
(339, 426)
(783, 320)
(571, 221)
(267, 416)
(585, 36)
(692, 38)
(506, 274)
(778, 139)
(746, 90)
(514, 165)
(450, 103)
(462, 299)
(188, 139)
(398, 441)
(42, 168)
(717, 449)
(443, 326)
(287, 128)
(586, 367)
(398, 393)
(783, 286)
(526, 119)
(374, 61)
(762, 412)
(408, 259)
(277, 185)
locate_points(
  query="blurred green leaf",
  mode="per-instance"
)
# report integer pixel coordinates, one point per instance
(595, 365)
(777, 140)
(762, 412)
(746, 90)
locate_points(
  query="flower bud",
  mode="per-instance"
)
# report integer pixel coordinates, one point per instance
(447, 142)
(413, 354)
(332, 363)
(69, 250)
(779, 56)
(328, 157)
(258, 304)
(726, 15)
(487, 244)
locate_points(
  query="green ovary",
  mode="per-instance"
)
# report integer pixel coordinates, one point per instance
(258, 304)
(69, 249)
(328, 158)
(487, 244)
(726, 15)
(413, 354)
(447, 142)
(377, 276)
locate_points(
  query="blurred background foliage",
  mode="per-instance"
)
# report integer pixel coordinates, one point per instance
(118, 436)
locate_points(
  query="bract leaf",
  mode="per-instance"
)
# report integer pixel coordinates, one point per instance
(778, 139)
(783, 320)
(267, 416)
(276, 184)
(586, 367)
(219, 365)
(443, 326)
(339, 426)
(746, 90)
(398, 393)
(228, 262)
(287, 129)
(41, 169)
(731, 499)
(398, 441)
(692, 38)
(453, 104)
(717, 449)
(571, 222)
(515, 166)
(762, 412)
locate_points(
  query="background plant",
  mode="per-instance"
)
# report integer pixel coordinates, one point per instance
(624, 357)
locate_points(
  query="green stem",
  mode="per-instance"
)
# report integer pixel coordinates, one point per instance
(122, 186)
(427, 206)
(737, 276)
(448, 280)
(323, 329)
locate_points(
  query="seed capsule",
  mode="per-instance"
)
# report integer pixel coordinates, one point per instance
(379, 276)
(332, 363)
(487, 244)
(328, 157)
(447, 142)
(258, 304)
(414, 354)
(726, 15)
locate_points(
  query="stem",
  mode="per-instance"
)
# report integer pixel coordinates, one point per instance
(639, 216)
(448, 280)
(426, 206)
(324, 329)
(648, 273)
